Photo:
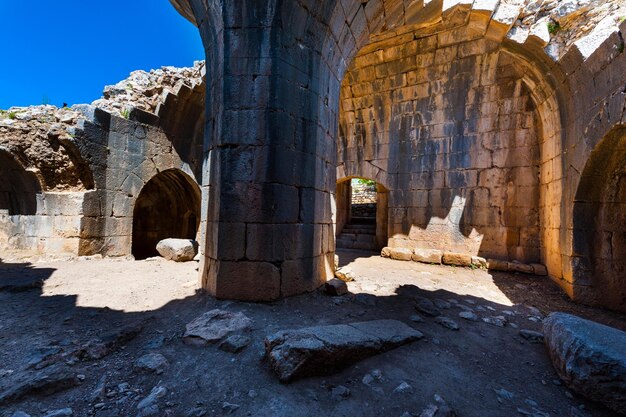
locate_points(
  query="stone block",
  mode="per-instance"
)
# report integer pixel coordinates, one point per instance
(589, 357)
(479, 262)
(519, 267)
(539, 269)
(179, 250)
(401, 254)
(245, 281)
(497, 265)
(430, 256)
(323, 350)
(336, 287)
(456, 259)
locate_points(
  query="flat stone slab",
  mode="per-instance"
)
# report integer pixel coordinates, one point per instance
(213, 326)
(322, 350)
(589, 357)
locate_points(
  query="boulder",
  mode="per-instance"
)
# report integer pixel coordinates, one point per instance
(589, 357)
(345, 274)
(235, 343)
(429, 256)
(152, 362)
(424, 305)
(213, 326)
(322, 350)
(336, 287)
(51, 380)
(179, 250)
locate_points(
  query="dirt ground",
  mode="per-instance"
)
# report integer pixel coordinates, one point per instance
(51, 307)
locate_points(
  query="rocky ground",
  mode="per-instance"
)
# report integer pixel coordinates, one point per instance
(105, 338)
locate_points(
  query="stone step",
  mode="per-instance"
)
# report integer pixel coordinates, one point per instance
(363, 220)
(353, 243)
(358, 231)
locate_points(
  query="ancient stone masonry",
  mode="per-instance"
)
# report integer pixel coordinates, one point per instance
(474, 117)
(76, 179)
(492, 129)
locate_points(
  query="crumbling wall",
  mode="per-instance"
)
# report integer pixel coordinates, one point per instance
(90, 162)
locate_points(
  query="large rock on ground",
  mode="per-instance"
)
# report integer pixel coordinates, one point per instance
(589, 357)
(179, 250)
(323, 350)
(213, 326)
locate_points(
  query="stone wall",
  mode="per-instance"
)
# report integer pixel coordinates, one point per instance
(455, 128)
(73, 176)
(477, 116)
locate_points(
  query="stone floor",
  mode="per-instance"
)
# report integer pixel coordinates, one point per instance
(49, 309)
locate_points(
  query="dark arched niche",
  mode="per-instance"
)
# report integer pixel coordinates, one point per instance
(168, 206)
(599, 258)
(18, 187)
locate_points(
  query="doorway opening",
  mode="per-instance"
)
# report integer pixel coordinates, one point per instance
(362, 213)
(168, 206)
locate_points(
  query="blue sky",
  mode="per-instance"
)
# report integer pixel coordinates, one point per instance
(55, 52)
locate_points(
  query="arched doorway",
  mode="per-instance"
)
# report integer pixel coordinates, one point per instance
(361, 214)
(168, 206)
(599, 256)
(18, 189)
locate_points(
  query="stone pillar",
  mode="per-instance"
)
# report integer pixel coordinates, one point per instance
(269, 159)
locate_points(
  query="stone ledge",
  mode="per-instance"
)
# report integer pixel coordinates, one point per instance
(435, 256)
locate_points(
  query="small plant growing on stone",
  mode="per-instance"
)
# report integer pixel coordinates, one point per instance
(12, 115)
(125, 113)
(553, 27)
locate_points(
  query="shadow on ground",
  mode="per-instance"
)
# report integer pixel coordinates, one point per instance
(467, 367)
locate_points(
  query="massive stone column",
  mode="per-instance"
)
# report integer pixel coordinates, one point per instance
(269, 155)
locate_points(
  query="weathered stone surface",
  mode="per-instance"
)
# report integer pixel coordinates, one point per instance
(336, 287)
(345, 274)
(179, 250)
(531, 335)
(45, 382)
(539, 269)
(235, 343)
(150, 403)
(213, 326)
(479, 262)
(468, 315)
(63, 412)
(424, 305)
(456, 259)
(323, 350)
(401, 254)
(447, 322)
(430, 256)
(589, 357)
(152, 362)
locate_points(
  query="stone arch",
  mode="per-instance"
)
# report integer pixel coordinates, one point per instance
(18, 188)
(599, 225)
(168, 206)
(461, 122)
(280, 85)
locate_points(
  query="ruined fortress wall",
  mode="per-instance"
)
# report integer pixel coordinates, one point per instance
(476, 116)
(73, 177)
(454, 126)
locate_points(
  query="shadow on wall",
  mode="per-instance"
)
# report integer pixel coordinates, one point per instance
(18, 189)
(168, 206)
(460, 151)
(599, 241)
